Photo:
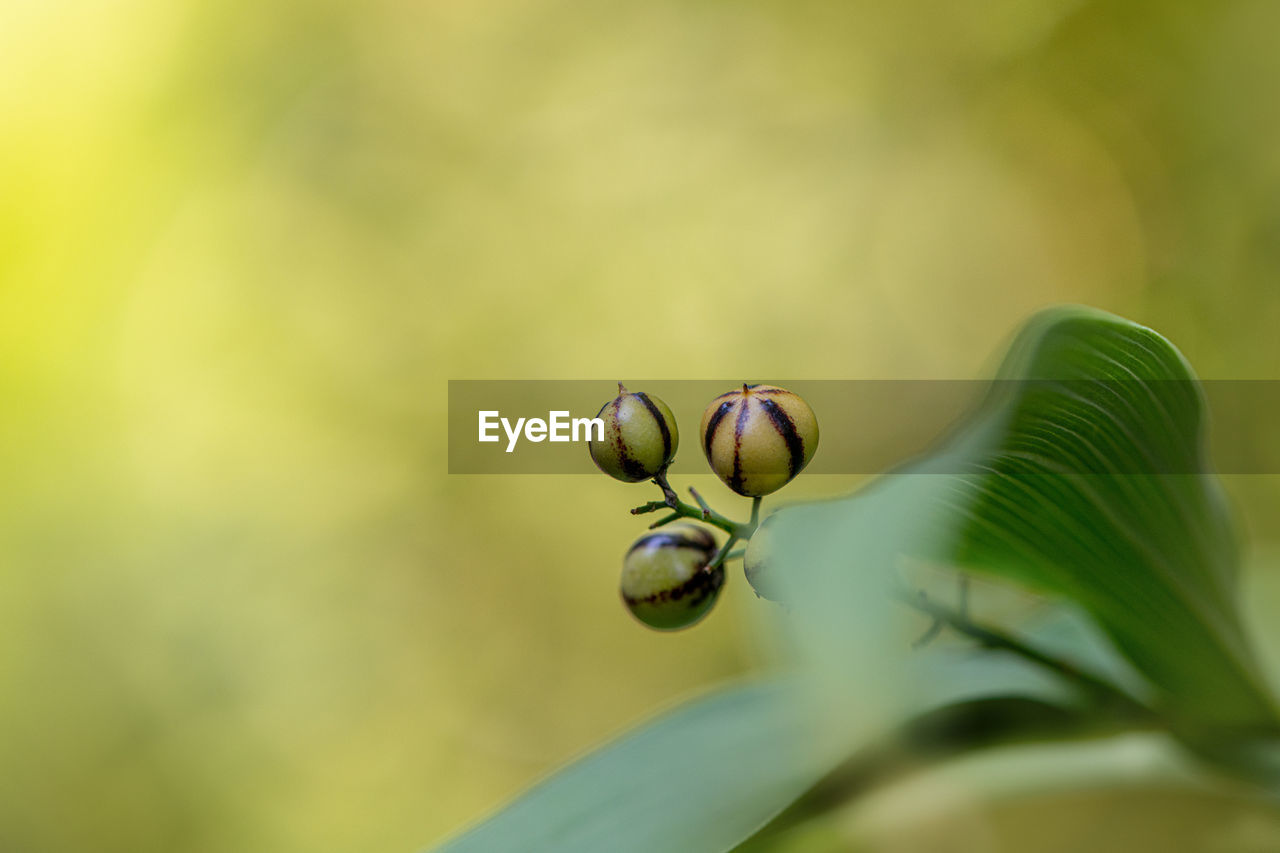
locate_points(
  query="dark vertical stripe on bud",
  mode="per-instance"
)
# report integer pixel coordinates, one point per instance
(662, 423)
(630, 466)
(735, 481)
(787, 429)
(713, 424)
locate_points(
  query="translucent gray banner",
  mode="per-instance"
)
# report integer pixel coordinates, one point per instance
(870, 426)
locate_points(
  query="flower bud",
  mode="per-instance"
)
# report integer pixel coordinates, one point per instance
(640, 437)
(665, 580)
(758, 438)
(757, 563)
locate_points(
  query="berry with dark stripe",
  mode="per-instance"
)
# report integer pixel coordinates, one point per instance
(758, 438)
(640, 437)
(665, 580)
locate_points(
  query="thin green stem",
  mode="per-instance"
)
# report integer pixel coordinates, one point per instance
(668, 494)
(706, 508)
(934, 629)
(724, 552)
(994, 639)
(755, 512)
(680, 509)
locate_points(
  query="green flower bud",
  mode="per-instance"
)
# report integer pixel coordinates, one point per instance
(640, 437)
(757, 564)
(758, 438)
(665, 580)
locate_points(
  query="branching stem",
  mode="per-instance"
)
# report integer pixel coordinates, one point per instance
(993, 639)
(724, 552)
(701, 512)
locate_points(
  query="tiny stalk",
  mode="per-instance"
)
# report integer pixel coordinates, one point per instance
(959, 621)
(701, 512)
(723, 554)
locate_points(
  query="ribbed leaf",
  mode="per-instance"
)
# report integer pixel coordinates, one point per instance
(1089, 481)
(1082, 476)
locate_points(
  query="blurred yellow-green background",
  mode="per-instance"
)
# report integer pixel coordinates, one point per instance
(243, 246)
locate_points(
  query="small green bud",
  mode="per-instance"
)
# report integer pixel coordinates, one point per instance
(665, 580)
(758, 438)
(757, 563)
(640, 437)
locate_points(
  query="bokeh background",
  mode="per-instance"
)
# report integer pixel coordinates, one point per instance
(244, 245)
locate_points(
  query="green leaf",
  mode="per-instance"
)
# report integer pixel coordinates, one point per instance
(1082, 476)
(708, 775)
(1130, 783)
(1090, 482)
(703, 777)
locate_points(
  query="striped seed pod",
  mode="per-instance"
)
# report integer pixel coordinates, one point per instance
(758, 438)
(665, 580)
(640, 437)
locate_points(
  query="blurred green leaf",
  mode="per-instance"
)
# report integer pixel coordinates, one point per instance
(710, 774)
(703, 777)
(1082, 476)
(1120, 792)
(1089, 481)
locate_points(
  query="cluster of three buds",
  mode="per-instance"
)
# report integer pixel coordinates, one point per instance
(756, 439)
